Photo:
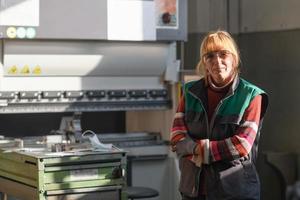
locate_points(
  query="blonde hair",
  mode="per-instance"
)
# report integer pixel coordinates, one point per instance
(214, 41)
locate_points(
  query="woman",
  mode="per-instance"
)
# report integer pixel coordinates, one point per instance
(216, 127)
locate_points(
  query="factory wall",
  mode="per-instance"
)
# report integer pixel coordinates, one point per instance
(271, 60)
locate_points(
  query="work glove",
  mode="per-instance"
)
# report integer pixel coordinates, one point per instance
(185, 147)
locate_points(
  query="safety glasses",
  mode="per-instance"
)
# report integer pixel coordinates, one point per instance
(223, 54)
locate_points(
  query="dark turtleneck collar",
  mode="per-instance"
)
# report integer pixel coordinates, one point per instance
(220, 89)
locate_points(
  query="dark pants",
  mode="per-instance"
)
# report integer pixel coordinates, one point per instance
(201, 197)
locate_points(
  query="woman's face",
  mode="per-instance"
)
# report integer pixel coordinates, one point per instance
(219, 66)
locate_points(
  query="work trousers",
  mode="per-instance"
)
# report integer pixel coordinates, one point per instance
(201, 197)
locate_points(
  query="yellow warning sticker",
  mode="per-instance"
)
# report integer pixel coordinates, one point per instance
(13, 70)
(25, 70)
(37, 70)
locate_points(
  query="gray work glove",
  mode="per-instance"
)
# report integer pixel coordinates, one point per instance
(185, 147)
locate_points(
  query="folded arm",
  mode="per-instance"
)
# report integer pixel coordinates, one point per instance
(207, 151)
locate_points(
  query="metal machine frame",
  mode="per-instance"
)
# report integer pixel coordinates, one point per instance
(61, 58)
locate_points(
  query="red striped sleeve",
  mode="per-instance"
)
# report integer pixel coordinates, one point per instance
(179, 129)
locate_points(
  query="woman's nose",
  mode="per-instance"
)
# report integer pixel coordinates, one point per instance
(217, 59)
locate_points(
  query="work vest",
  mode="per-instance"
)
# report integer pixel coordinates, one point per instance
(223, 124)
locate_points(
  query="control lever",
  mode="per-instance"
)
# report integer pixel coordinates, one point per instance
(72, 127)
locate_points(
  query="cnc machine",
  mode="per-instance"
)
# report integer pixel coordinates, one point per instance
(81, 56)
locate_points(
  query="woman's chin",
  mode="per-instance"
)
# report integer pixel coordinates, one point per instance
(220, 80)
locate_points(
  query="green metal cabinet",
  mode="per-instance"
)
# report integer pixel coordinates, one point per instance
(50, 176)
